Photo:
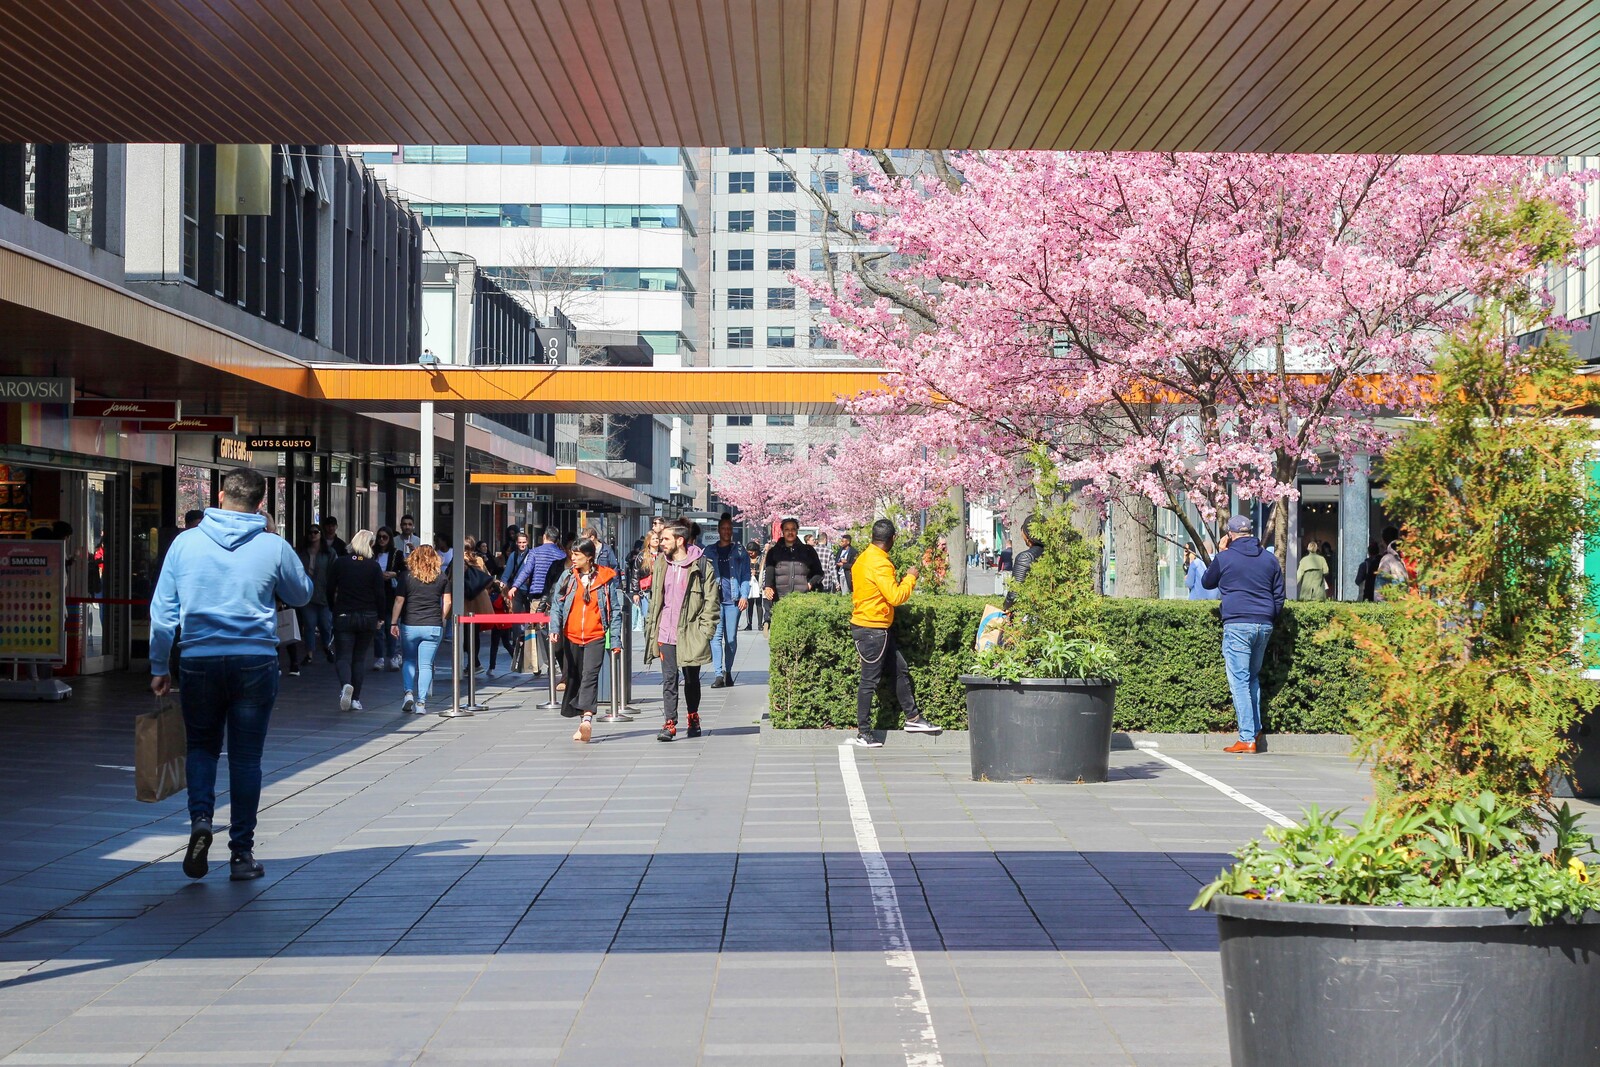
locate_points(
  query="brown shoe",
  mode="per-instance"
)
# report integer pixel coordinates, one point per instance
(1241, 746)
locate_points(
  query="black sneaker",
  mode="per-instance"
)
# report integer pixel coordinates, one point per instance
(328, 651)
(721, 682)
(244, 867)
(919, 725)
(669, 730)
(694, 724)
(866, 740)
(194, 857)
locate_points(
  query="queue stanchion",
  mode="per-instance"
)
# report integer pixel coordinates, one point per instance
(552, 703)
(454, 711)
(472, 705)
(616, 708)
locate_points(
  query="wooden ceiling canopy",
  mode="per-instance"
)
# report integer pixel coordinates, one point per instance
(1428, 76)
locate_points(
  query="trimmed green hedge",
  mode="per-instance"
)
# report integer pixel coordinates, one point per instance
(1172, 676)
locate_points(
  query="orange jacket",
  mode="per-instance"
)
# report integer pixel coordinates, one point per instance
(586, 613)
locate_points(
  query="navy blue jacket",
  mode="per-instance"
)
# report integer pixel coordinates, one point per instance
(1251, 582)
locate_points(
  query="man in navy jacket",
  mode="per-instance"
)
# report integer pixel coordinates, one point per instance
(1252, 599)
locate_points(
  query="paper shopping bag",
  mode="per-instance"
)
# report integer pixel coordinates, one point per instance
(530, 652)
(160, 753)
(288, 626)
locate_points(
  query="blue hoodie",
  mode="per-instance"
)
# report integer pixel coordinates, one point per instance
(218, 583)
(1251, 582)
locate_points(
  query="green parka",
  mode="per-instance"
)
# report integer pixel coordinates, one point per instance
(697, 622)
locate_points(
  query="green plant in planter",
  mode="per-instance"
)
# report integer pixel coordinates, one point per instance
(1477, 675)
(1055, 629)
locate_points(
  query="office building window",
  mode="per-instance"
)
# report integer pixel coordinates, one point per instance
(780, 259)
(741, 259)
(780, 181)
(730, 451)
(780, 221)
(741, 151)
(741, 299)
(741, 420)
(780, 299)
(825, 181)
(780, 336)
(742, 181)
(741, 336)
(780, 420)
(782, 450)
(741, 221)
(819, 261)
(821, 340)
(191, 214)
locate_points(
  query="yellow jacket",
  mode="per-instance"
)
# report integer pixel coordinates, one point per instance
(874, 590)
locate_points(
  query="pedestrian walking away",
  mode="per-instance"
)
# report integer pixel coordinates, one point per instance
(733, 587)
(586, 620)
(417, 618)
(792, 567)
(684, 618)
(1311, 576)
(221, 585)
(1367, 573)
(1252, 600)
(875, 594)
(357, 598)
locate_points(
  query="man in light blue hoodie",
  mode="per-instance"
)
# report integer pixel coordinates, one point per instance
(219, 585)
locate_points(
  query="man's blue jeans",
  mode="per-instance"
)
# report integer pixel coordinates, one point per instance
(1244, 646)
(418, 646)
(230, 695)
(725, 642)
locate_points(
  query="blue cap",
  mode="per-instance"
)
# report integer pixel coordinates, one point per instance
(1239, 524)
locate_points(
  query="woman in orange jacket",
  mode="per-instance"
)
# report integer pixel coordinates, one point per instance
(586, 619)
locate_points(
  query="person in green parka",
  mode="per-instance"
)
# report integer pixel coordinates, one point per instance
(1312, 574)
(684, 610)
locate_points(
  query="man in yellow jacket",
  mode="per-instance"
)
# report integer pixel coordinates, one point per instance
(875, 594)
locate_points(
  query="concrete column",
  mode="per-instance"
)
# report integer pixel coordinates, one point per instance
(327, 290)
(1355, 523)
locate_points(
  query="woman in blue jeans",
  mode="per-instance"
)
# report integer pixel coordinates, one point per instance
(420, 609)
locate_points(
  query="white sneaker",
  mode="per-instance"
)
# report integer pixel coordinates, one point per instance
(355, 705)
(377, 665)
(409, 702)
(394, 663)
(419, 709)
(919, 725)
(345, 696)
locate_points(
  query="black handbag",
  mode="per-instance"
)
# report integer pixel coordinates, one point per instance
(474, 582)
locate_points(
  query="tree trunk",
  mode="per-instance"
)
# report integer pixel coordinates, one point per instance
(956, 579)
(1087, 520)
(1133, 535)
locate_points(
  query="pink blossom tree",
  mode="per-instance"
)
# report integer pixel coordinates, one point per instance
(1175, 327)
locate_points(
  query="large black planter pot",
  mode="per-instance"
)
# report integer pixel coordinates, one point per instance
(1324, 985)
(1039, 729)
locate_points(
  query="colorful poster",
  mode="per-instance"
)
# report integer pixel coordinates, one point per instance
(32, 594)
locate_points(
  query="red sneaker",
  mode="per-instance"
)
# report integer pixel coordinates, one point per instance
(694, 724)
(1241, 746)
(669, 730)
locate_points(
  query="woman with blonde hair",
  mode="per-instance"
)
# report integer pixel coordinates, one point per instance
(356, 597)
(421, 606)
(1312, 574)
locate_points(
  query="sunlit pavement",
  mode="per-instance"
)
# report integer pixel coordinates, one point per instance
(484, 890)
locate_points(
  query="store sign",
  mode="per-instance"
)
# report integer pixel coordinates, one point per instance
(18, 390)
(190, 424)
(281, 444)
(412, 473)
(234, 450)
(153, 410)
(599, 507)
(523, 494)
(32, 587)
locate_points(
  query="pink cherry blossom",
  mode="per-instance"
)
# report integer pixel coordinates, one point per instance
(1176, 326)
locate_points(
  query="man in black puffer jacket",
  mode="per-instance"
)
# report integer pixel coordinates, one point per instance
(1252, 599)
(792, 566)
(1024, 560)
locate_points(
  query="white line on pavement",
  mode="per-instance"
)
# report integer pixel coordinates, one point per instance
(1221, 787)
(922, 1050)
